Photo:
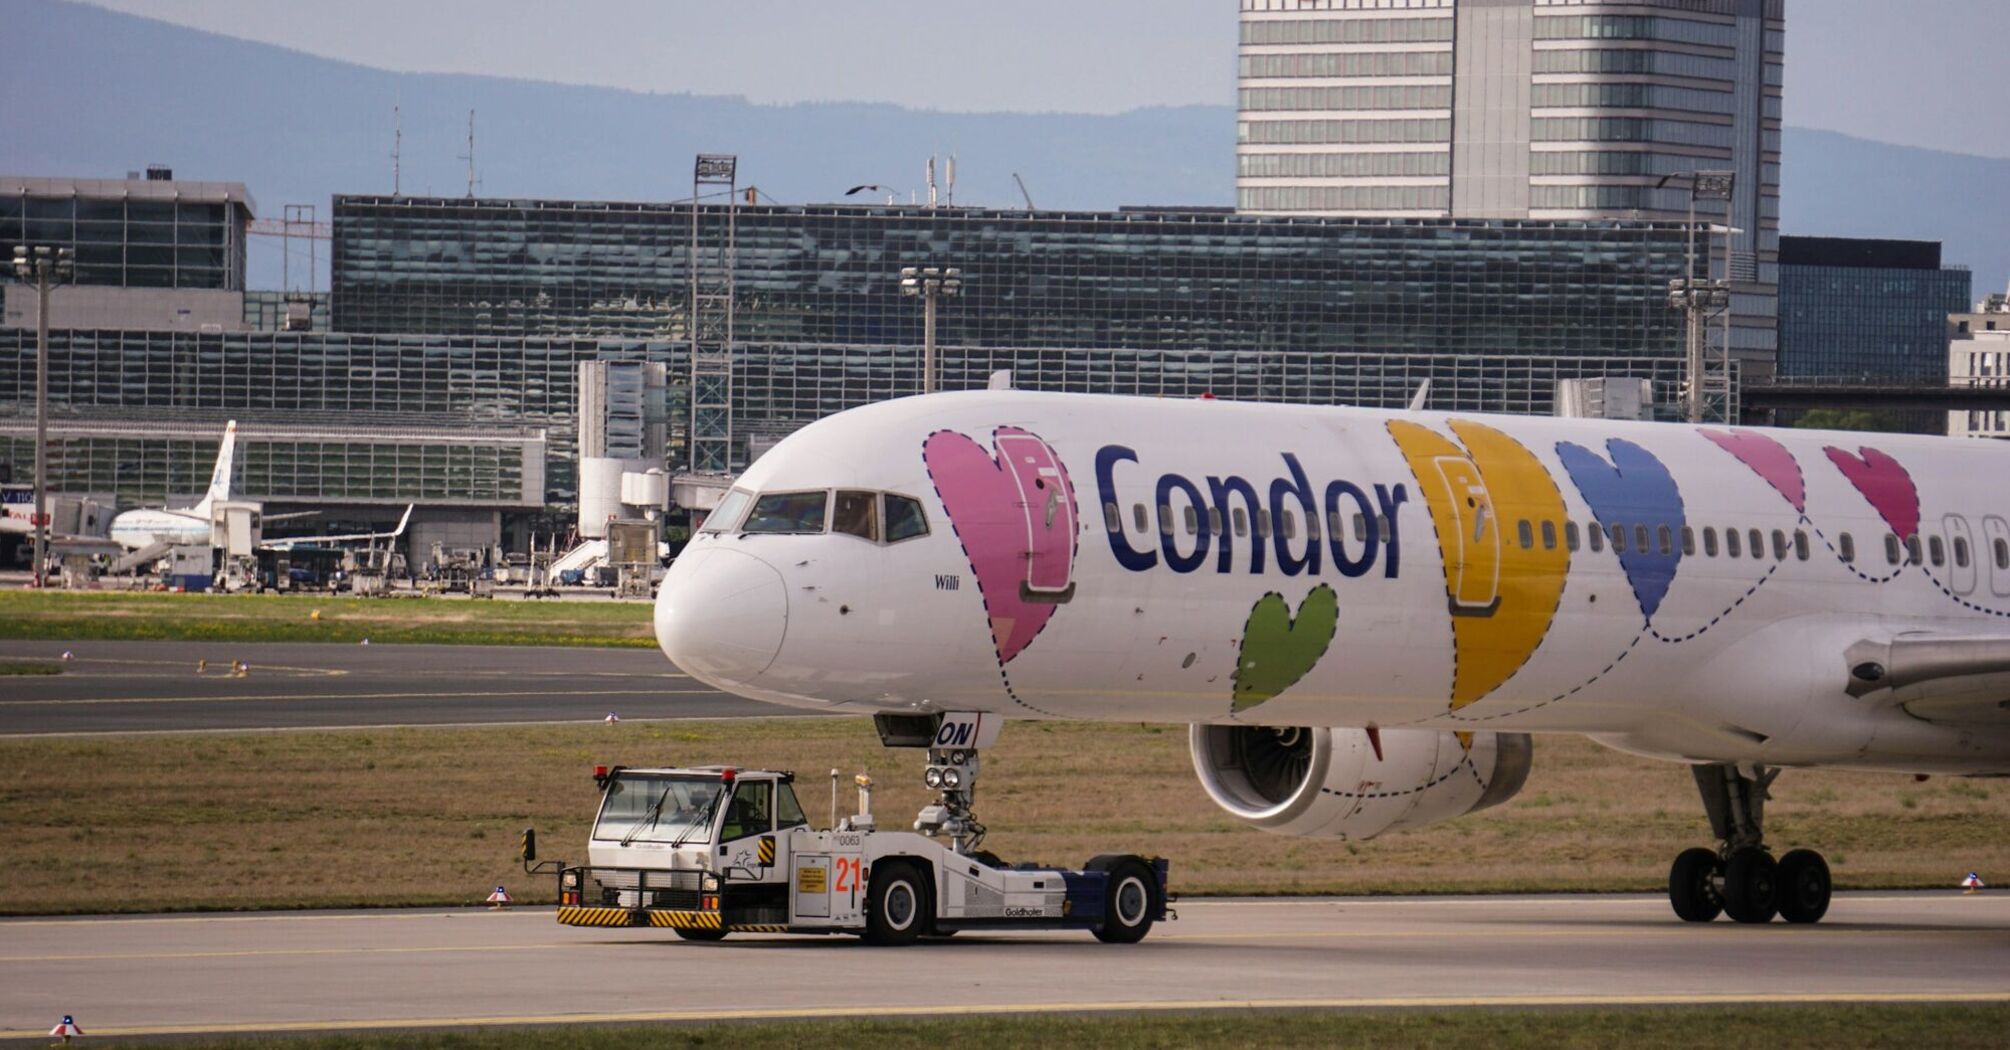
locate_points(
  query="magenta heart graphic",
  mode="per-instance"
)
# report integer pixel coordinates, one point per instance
(1015, 516)
(1884, 483)
(1768, 459)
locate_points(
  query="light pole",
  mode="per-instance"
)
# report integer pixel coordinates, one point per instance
(930, 283)
(1695, 298)
(47, 268)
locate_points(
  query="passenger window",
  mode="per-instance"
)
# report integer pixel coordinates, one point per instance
(1758, 544)
(796, 512)
(857, 514)
(2002, 551)
(1214, 520)
(1525, 533)
(1688, 541)
(1312, 527)
(904, 519)
(1709, 541)
(1891, 548)
(1165, 520)
(1262, 522)
(1937, 550)
(1290, 522)
(1846, 546)
(1549, 535)
(1571, 539)
(1779, 545)
(1360, 528)
(1138, 515)
(1912, 550)
(1192, 517)
(1596, 535)
(1731, 549)
(1113, 519)
(1800, 545)
(1619, 539)
(1333, 525)
(1662, 534)
(1640, 540)
(1960, 553)
(1241, 522)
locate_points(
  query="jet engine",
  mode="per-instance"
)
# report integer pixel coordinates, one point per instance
(1337, 783)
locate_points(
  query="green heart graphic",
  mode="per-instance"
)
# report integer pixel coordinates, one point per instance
(1277, 650)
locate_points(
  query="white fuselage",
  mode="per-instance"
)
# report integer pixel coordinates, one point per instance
(1136, 559)
(136, 529)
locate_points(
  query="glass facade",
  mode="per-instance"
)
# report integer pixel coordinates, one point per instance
(132, 233)
(1866, 309)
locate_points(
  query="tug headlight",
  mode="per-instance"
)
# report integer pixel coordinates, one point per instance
(952, 779)
(933, 778)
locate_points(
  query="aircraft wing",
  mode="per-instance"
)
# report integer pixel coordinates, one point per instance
(1953, 679)
(354, 537)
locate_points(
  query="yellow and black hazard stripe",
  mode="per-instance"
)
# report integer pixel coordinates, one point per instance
(759, 927)
(766, 851)
(582, 916)
(687, 920)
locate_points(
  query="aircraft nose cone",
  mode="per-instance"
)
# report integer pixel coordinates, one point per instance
(721, 615)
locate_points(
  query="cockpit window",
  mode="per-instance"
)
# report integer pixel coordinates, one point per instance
(904, 519)
(727, 513)
(788, 512)
(857, 514)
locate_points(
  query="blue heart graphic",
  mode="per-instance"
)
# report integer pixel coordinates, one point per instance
(1634, 489)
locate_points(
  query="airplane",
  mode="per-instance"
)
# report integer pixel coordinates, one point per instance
(291, 542)
(145, 526)
(1363, 615)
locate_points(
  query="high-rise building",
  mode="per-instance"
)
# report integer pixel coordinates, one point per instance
(1978, 352)
(1866, 309)
(1522, 109)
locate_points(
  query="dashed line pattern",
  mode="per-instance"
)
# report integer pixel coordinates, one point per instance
(1465, 764)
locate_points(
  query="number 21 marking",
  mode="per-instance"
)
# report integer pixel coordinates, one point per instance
(847, 870)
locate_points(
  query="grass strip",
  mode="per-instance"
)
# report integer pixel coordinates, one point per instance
(13, 668)
(293, 618)
(1955, 1026)
(361, 818)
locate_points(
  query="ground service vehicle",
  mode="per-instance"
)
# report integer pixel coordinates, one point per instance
(714, 850)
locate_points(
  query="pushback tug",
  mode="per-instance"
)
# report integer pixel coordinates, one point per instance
(713, 850)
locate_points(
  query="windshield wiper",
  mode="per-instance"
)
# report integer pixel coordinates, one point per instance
(655, 814)
(704, 820)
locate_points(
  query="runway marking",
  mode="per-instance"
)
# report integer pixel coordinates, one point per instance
(259, 953)
(324, 672)
(360, 726)
(267, 698)
(935, 1010)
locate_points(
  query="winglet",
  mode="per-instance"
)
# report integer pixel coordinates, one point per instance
(403, 521)
(1422, 397)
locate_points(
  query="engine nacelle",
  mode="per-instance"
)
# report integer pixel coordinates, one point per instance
(1328, 783)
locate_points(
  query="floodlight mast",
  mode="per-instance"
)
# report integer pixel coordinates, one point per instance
(46, 267)
(929, 283)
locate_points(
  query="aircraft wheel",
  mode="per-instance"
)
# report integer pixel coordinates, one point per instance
(1751, 886)
(1803, 886)
(897, 908)
(1692, 885)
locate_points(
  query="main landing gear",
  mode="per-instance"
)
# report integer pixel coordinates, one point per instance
(1740, 878)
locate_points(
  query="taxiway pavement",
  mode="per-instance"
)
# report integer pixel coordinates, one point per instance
(115, 687)
(272, 972)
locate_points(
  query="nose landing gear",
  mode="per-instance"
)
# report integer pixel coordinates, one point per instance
(1740, 878)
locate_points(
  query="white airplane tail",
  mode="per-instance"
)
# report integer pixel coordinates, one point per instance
(219, 479)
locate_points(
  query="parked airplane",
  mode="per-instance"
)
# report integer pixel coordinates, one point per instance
(291, 542)
(1363, 614)
(146, 526)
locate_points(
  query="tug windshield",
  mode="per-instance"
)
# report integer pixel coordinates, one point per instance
(657, 809)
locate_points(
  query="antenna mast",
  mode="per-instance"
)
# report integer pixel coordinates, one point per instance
(397, 149)
(470, 156)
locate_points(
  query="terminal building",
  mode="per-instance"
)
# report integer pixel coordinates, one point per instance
(446, 365)
(1853, 308)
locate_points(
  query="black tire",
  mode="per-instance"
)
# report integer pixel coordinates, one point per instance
(1132, 899)
(897, 908)
(1692, 885)
(1804, 886)
(700, 935)
(1751, 886)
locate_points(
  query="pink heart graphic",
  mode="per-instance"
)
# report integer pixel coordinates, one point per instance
(1768, 459)
(1015, 516)
(1885, 484)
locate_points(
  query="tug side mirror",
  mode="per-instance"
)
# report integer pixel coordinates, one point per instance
(529, 847)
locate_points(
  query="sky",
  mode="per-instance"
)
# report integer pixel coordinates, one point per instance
(1914, 72)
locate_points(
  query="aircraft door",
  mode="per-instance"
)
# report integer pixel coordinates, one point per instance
(1475, 552)
(1995, 550)
(1961, 559)
(1050, 516)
